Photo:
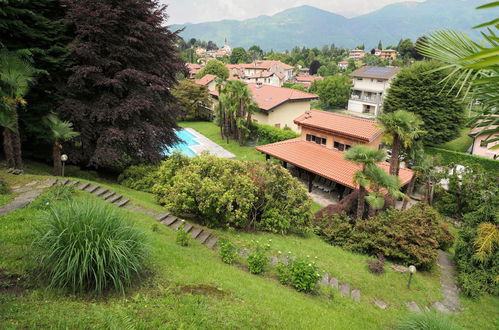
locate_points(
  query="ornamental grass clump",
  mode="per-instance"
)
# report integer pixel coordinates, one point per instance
(88, 246)
(427, 320)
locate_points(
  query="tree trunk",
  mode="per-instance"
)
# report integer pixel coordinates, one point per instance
(56, 158)
(394, 159)
(7, 148)
(361, 202)
(16, 146)
(410, 190)
(220, 119)
(372, 211)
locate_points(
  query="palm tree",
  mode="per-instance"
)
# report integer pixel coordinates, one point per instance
(238, 106)
(7, 122)
(378, 180)
(62, 131)
(219, 84)
(367, 157)
(427, 171)
(400, 129)
(16, 76)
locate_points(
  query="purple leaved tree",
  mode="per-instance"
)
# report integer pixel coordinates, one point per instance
(118, 92)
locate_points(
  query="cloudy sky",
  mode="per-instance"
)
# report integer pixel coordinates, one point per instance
(195, 11)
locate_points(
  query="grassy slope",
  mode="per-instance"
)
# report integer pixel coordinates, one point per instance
(246, 300)
(461, 144)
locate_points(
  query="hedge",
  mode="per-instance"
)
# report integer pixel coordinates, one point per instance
(448, 157)
(270, 134)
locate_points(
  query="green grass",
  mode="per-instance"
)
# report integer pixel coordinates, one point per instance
(212, 132)
(191, 288)
(6, 199)
(461, 144)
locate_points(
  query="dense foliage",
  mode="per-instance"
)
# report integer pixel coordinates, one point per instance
(139, 177)
(449, 157)
(415, 89)
(88, 247)
(193, 99)
(216, 68)
(228, 193)
(228, 251)
(118, 91)
(333, 90)
(410, 237)
(269, 134)
(258, 258)
(55, 194)
(473, 196)
(301, 274)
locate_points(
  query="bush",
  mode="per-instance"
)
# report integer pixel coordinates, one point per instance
(376, 266)
(228, 193)
(88, 246)
(228, 251)
(410, 237)
(270, 134)
(258, 259)
(427, 320)
(139, 177)
(449, 157)
(4, 188)
(182, 236)
(300, 274)
(57, 193)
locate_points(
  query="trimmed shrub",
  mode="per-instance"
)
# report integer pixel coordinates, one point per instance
(228, 193)
(139, 177)
(427, 320)
(88, 246)
(410, 237)
(228, 251)
(270, 134)
(449, 157)
(54, 194)
(258, 258)
(300, 274)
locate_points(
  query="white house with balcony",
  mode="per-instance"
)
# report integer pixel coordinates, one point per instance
(370, 84)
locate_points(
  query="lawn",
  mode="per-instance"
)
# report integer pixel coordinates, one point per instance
(191, 288)
(212, 132)
(460, 144)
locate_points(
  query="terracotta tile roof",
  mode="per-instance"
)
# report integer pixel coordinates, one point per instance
(380, 72)
(476, 131)
(206, 79)
(358, 128)
(328, 163)
(279, 75)
(267, 64)
(308, 78)
(343, 62)
(264, 74)
(269, 97)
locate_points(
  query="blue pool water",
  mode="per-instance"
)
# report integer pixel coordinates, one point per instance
(183, 146)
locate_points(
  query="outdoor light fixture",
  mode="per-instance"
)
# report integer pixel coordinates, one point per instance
(64, 158)
(412, 271)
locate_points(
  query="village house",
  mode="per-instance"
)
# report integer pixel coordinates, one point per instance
(193, 69)
(356, 54)
(479, 136)
(388, 54)
(267, 78)
(260, 66)
(370, 84)
(343, 65)
(306, 80)
(208, 81)
(318, 152)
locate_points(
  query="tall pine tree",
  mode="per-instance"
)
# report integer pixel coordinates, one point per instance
(118, 93)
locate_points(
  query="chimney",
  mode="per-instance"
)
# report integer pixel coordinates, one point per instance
(259, 84)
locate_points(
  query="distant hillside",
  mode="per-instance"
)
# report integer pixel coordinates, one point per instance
(312, 27)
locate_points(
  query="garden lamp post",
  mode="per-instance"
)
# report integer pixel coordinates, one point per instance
(64, 158)
(412, 271)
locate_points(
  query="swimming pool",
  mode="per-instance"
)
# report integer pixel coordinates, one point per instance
(183, 146)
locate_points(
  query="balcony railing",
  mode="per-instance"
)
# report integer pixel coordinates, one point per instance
(372, 99)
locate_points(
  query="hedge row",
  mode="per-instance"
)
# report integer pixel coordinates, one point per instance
(270, 134)
(453, 157)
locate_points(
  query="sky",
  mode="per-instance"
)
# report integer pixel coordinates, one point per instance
(196, 11)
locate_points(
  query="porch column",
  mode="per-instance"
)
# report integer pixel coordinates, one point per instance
(311, 177)
(284, 164)
(267, 157)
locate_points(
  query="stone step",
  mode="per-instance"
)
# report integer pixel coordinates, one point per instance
(62, 181)
(108, 195)
(114, 198)
(356, 295)
(162, 216)
(325, 279)
(211, 242)
(83, 186)
(122, 202)
(169, 220)
(345, 289)
(333, 282)
(150, 212)
(92, 188)
(188, 226)
(100, 192)
(203, 236)
(176, 225)
(413, 307)
(196, 231)
(72, 183)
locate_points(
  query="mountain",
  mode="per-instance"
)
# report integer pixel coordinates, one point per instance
(313, 27)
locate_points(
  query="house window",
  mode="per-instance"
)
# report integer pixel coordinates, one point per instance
(379, 80)
(347, 147)
(277, 125)
(316, 139)
(359, 78)
(338, 146)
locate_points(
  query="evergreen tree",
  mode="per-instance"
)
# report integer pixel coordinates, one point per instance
(118, 93)
(35, 30)
(380, 45)
(239, 55)
(417, 89)
(214, 67)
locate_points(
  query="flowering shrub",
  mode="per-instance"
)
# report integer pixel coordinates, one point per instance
(229, 193)
(300, 274)
(228, 251)
(258, 258)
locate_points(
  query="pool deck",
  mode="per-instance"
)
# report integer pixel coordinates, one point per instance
(206, 144)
